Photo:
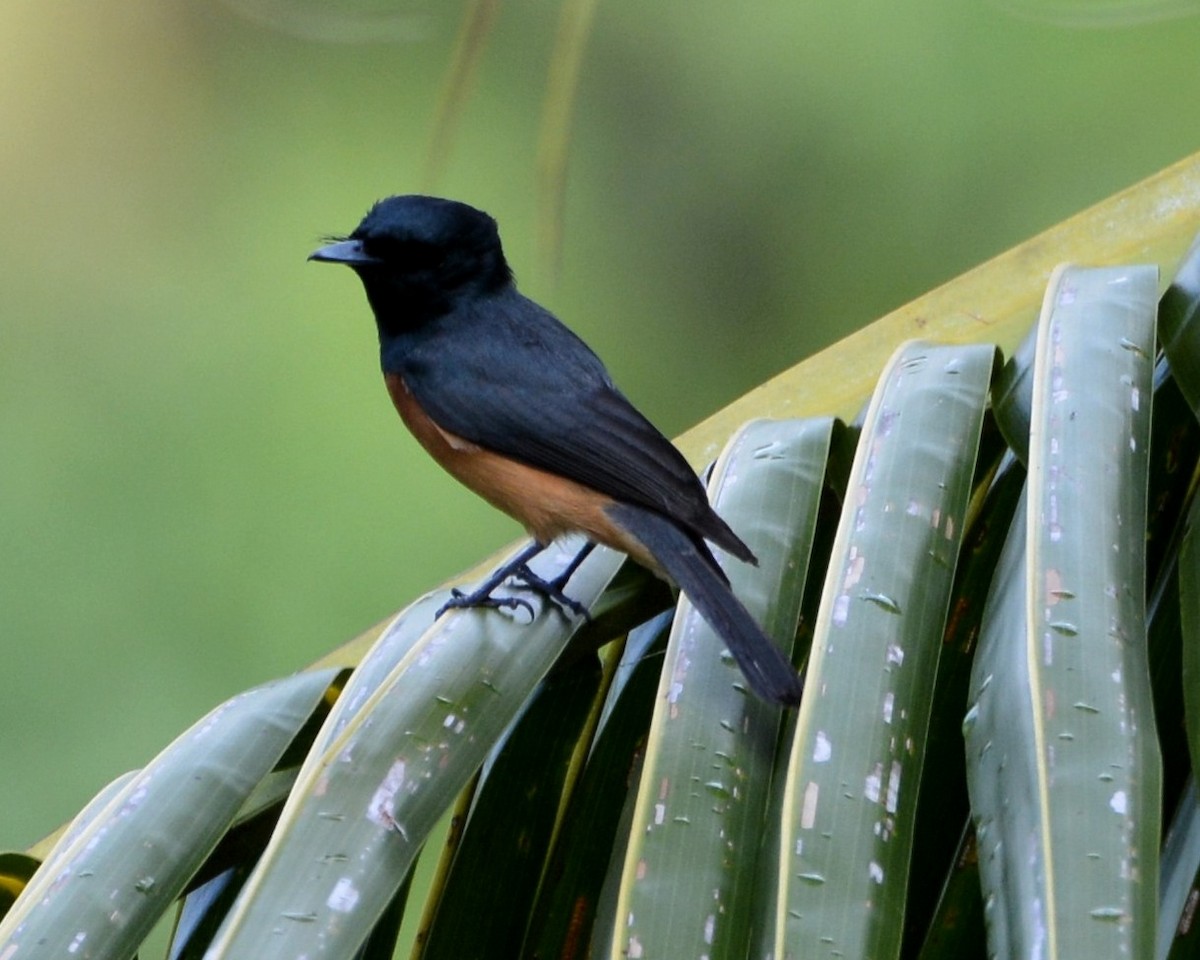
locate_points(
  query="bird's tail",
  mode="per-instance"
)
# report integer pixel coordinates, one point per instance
(690, 564)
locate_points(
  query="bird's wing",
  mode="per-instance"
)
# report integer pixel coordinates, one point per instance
(533, 391)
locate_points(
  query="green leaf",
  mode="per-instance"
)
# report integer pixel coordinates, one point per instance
(413, 731)
(943, 809)
(1063, 764)
(1177, 885)
(500, 856)
(114, 877)
(957, 929)
(998, 728)
(1012, 397)
(1189, 612)
(590, 836)
(856, 758)
(688, 887)
(1179, 325)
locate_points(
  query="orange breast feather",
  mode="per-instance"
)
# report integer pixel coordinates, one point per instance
(546, 504)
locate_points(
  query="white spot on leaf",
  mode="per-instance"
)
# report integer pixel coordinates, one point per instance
(808, 812)
(822, 749)
(893, 792)
(873, 784)
(344, 897)
(840, 608)
(382, 808)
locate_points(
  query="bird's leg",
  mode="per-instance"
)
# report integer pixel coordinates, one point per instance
(518, 568)
(553, 589)
(481, 596)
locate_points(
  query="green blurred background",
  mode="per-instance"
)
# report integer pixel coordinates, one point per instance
(202, 484)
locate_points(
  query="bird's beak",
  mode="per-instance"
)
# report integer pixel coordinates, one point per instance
(349, 252)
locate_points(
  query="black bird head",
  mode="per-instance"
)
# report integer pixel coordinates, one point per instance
(419, 256)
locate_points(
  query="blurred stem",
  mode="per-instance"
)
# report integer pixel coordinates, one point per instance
(554, 139)
(469, 48)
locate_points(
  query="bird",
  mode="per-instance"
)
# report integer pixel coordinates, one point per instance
(518, 408)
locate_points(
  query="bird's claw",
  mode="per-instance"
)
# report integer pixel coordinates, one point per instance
(518, 568)
(551, 590)
(459, 600)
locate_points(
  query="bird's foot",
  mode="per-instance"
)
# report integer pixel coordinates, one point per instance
(552, 589)
(461, 600)
(518, 568)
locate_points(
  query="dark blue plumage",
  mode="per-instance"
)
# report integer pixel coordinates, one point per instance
(517, 407)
